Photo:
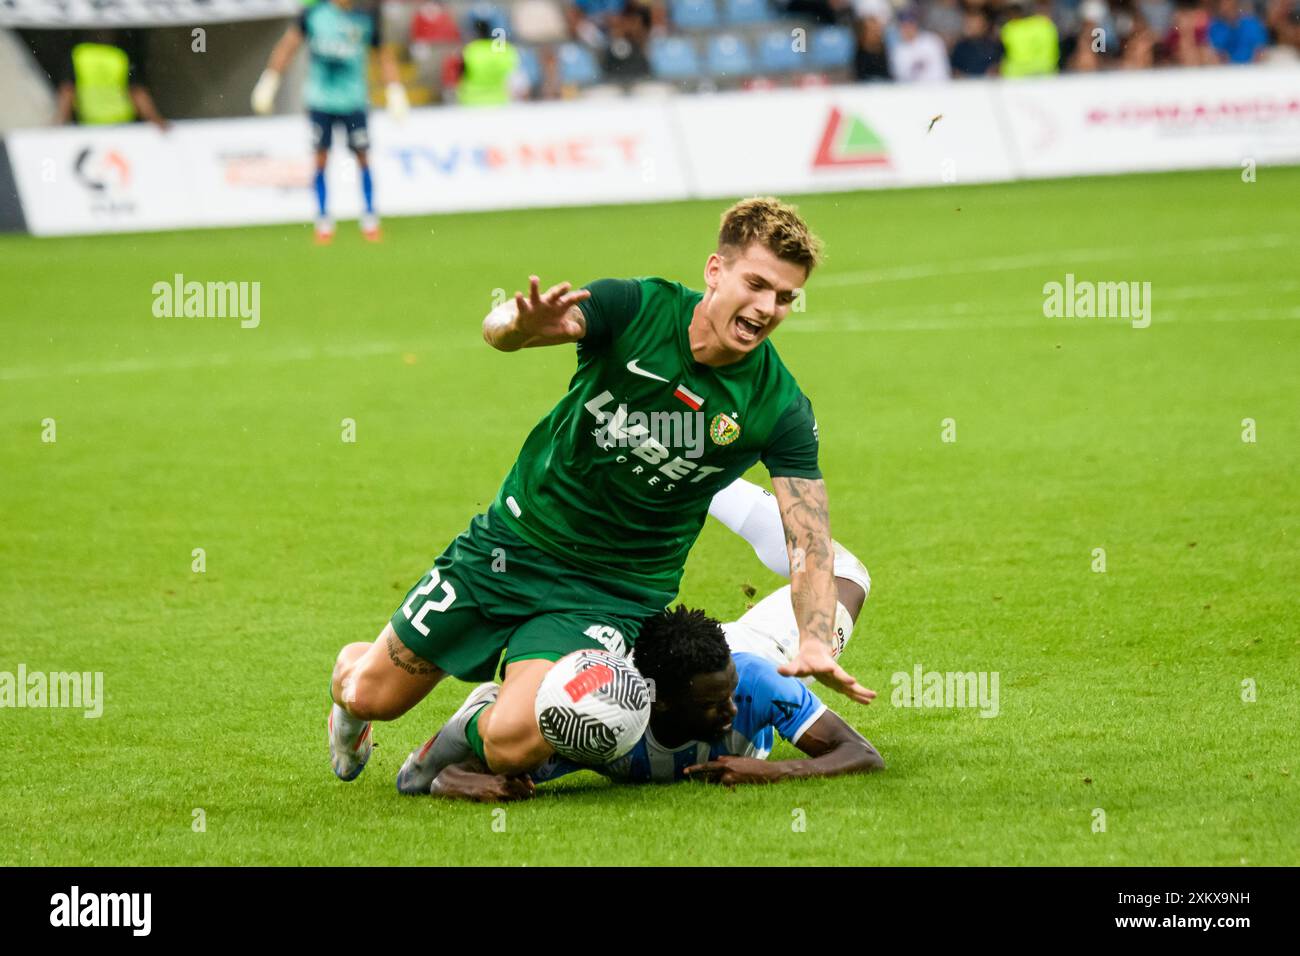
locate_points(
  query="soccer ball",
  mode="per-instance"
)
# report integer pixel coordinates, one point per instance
(592, 707)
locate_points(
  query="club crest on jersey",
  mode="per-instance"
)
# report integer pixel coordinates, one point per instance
(724, 429)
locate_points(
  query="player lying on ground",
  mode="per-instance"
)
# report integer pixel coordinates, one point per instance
(339, 35)
(589, 532)
(700, 693)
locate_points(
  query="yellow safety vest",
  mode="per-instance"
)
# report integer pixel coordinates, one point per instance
(486, 79)
(1032, 46)
(103, 94)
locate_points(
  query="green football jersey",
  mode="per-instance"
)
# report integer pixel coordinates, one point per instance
(618, 477)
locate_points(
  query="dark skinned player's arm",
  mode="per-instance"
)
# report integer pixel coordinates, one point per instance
(834, 749)
(472, 781)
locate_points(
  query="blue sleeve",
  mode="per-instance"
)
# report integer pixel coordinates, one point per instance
(766, 698)
(554, 768)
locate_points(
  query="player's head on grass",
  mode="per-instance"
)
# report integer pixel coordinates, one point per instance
(764, 256)
(685, 653)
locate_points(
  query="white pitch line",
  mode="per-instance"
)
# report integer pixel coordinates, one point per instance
(1069, 257)
(212, 360)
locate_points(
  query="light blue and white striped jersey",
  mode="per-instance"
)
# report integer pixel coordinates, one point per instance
(766, 703)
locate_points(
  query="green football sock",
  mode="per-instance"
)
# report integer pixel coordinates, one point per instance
(474, 737)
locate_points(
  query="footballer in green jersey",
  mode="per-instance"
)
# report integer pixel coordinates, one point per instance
(677, 393)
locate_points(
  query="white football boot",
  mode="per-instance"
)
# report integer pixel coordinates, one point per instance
(448, 746)
(348, 755)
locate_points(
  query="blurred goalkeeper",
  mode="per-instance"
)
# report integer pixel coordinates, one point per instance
(339, 35)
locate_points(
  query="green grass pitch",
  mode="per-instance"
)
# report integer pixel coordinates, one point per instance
(1120, 692)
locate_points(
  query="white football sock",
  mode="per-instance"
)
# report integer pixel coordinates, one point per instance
(347, 726)
(753, 514)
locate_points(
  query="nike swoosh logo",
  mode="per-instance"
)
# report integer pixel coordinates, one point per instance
(637, 370)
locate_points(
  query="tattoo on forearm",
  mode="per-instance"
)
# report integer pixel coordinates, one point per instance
(407, 659)
(805, 515)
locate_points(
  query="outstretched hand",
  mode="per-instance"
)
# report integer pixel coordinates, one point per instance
(547, 314)
(814, 660)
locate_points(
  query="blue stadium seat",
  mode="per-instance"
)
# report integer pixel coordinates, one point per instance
(578, 67)
(729, 55)
(695, 14)
(674, 58)
(531, 65)
(484, 11)
(832, 48)
(742, 12)
(776, 53)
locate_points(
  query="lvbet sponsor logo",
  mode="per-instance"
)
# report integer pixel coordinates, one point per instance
(82, 691)
(947, 689)
(74, 908)
(653, 437)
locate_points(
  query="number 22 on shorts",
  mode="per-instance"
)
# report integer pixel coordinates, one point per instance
(444, 602)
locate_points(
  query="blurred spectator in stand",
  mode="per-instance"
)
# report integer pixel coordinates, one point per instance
(871, 62)
(624, 60)
(976, 53)
(943, 17)
(823, 11)
(1158, 14)
(1139, 51)
(103, 81)
(1237, 36)
(881, 10)
(490, 74)
(1096, 41)
(1188, 42)
(917, 56)
(1285, 19)
(432, 23)
(589, 19)
(1031, 45)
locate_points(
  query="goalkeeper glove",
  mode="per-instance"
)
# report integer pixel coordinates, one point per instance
(264, 92)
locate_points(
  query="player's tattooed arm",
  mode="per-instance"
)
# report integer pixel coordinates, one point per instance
(805, 517)
(405, 658)
(549, 318)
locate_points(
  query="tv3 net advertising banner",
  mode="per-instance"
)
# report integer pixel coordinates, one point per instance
(847, 137)
(1160, 120)
(249, 171)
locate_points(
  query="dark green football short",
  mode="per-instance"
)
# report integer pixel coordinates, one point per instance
(491, 591)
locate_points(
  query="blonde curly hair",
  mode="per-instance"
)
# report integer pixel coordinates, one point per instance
(773, 224)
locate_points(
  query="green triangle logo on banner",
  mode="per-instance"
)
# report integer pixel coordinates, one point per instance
(848, 140)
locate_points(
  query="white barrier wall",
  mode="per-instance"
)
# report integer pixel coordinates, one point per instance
(234, 172)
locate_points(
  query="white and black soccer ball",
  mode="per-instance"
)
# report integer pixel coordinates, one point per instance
(592, 707)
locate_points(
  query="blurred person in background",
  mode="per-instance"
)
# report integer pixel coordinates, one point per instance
(880, 10)
(1140, 46)
(1030, 42)
(624, 60)
(490, 71)
(829, 12)
(917, 56)
(340, 35)
(1237, 35)
(871, 61)
(1284, 16)
(1096, 42)
(589, 19)
(977, 53)
(945, 18)
(1188, 42)
(1158, 14)
(103, 81)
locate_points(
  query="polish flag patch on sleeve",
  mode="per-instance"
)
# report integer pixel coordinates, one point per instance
(689, 397)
